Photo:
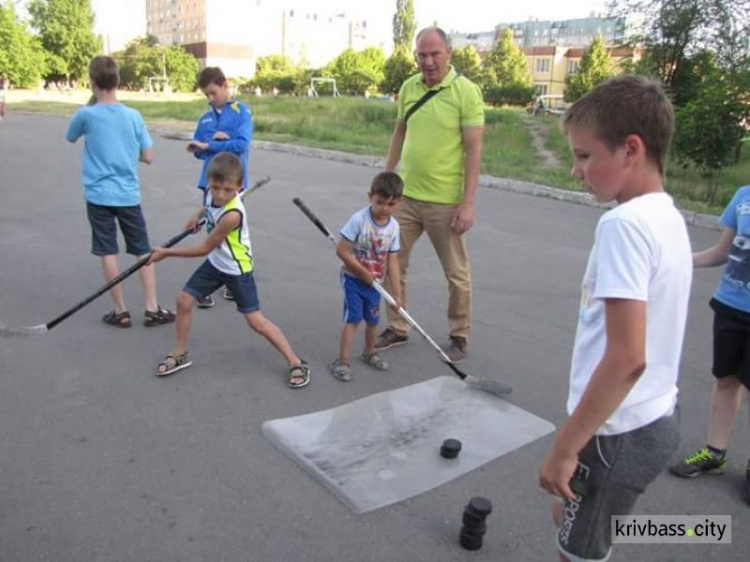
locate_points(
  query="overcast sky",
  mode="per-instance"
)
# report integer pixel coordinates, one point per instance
(124, 19)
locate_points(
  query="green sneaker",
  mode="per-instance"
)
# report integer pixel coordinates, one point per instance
(700, 462)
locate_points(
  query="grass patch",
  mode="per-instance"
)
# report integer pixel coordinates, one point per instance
(364, 126)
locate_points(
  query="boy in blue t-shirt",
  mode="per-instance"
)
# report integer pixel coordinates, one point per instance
(368, 247)
(226, 127)
(116, 138)
(731, 364)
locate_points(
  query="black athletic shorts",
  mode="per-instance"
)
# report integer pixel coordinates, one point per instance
(731, 342)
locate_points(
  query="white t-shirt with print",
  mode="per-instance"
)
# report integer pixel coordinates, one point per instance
(641, 252)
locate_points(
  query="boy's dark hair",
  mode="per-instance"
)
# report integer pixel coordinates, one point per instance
(627, 105)
(211, 75)
(387, 184)
(225, 166)
(103, 73)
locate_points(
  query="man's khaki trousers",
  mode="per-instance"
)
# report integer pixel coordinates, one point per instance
(414, 218)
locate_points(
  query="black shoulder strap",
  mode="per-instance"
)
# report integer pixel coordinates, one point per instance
(420, 102)
(424, 99)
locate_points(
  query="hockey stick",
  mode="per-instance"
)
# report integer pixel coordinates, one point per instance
(8, 331)
(493, 387)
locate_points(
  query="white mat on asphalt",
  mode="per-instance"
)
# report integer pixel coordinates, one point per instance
(385, 448)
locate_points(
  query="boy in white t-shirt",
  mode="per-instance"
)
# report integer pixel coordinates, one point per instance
(622, 427)
(369, 245)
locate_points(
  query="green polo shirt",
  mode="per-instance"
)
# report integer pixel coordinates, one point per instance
(432, 159)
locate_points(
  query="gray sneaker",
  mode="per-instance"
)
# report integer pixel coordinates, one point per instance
(206, 302)
(699, 462)
(228, 296)
(457, 350)
(388, 338)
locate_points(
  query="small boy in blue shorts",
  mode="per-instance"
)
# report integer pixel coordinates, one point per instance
(731, 361)
(230, 264)
(116, 138)
(368, 247)
(622, 427)
(226, 127)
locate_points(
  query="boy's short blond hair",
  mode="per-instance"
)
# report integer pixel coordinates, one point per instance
(225, 166)
(104, 73)
(623, 106)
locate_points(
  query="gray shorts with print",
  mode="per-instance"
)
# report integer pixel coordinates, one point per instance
(619, 468)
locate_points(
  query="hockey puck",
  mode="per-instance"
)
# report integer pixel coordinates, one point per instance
(450, 448)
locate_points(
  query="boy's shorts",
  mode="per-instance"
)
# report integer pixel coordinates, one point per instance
(207, 279)
(731, 343)
(620, 467)
(360, 301)
(104, 230)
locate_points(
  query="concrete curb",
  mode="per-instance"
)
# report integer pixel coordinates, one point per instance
(698, 220)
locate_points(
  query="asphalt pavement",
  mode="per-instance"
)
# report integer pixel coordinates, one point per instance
(102, 461)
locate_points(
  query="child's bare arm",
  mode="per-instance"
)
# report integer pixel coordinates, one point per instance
(346, 255)
(226, 224)
(717, 254)
(394, 272)
(621, 366)
(147, 156)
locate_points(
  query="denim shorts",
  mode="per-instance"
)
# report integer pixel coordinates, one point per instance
(104, 230)
(361, 301)
(207, 279)
(619, 468)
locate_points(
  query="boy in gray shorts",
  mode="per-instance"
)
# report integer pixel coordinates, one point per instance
(622, 427)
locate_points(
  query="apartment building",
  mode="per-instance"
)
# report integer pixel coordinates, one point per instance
(553, 49)
(232, 34)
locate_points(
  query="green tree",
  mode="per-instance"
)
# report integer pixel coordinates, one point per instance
(404, 24)
(357, 72)
(708, 127)
(467, 62)
(399, 66)
(596, 66)
(506, 64)
(22, 60)
(66, 31)
(182, 68)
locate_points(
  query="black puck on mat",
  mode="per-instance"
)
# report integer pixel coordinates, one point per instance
(450, 448)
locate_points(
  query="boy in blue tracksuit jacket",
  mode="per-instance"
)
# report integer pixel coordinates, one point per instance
(226, 127)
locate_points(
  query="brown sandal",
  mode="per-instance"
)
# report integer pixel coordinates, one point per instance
(173, 363)
(121, 320)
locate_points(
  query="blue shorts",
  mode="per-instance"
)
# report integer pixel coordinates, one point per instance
(104, 230)
(207, 279)
(360, 301)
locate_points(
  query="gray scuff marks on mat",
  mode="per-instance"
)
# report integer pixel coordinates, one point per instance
(385, 448)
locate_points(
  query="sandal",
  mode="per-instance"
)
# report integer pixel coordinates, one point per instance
(301, 371)
(374, 360)
(173, 363)
(161, 316)
(121, 320)
(341, 371)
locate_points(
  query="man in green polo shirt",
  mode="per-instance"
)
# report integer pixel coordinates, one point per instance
(439, 145)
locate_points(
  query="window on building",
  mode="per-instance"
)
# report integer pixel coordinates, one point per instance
(542, 65)
(573, 66)
(541, 89)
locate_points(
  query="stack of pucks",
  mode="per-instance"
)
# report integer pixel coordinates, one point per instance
(450, 448)
(473, 520)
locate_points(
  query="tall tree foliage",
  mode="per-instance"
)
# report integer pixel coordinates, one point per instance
(399, 66)
(66, 31)
(144, 58)
(467, 62)
(22, 60)
(596, 66)
(506, 64)
(404, 24)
